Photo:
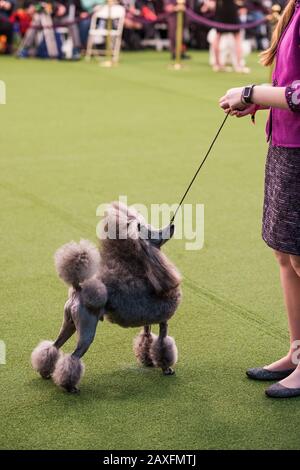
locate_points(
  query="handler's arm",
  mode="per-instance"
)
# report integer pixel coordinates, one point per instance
(270, 97)
(263, 97)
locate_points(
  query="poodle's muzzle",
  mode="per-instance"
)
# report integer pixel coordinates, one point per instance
(158, 238)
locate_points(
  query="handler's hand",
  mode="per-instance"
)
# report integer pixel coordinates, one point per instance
(232, 101)
(251, 109)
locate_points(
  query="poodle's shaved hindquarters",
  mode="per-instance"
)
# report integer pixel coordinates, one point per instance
(129, 282)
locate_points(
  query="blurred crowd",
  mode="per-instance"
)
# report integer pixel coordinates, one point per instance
(140, 31)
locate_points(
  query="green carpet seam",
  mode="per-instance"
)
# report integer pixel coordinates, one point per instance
(236, 310)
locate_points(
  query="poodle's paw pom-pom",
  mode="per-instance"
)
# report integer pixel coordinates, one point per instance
(164, 352)
(68, 372)
(76, 262)
(44, 358)
(141, 347)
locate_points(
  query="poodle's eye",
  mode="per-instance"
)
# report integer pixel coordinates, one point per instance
(139, 227)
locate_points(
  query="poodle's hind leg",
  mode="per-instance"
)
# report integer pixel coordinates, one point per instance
(46, 354)
(164, 351)
(69, 368)
(141, 346)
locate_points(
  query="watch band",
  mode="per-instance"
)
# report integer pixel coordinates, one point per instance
(247, 94)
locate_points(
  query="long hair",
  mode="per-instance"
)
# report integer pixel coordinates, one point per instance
(267, 57)
(160, 272)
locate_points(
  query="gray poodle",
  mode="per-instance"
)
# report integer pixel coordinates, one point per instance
(129, 282)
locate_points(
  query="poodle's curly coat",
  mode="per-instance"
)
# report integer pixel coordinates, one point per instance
(129, 281)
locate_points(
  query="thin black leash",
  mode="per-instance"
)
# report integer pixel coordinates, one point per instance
(199, 168)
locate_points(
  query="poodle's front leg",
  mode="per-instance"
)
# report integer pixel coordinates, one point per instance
(164, 351)
(46, 354)
(67, 330)
(69, 368)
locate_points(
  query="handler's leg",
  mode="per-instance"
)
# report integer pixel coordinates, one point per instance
(164, 350)
(292, 297)
(290, 282)
(69, 368)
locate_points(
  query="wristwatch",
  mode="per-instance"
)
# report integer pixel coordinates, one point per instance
(247, 94)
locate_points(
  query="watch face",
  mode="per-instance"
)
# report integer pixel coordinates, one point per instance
(247, 94)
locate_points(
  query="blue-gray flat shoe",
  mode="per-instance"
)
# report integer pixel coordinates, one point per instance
(260, 373)
(280, 391)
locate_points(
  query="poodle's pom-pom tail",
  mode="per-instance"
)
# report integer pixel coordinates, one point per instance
(93, 293)
(44, 358)
(141, 347)
(76, 262)
(164, 352)
(68, 372)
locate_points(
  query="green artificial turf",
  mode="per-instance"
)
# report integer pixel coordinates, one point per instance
(74, 135)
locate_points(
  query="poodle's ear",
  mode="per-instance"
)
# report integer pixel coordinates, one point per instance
(161, 274)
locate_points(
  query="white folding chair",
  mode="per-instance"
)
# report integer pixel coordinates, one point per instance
(35, 35)
(98, 30)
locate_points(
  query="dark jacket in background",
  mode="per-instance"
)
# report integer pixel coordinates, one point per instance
(6, 28)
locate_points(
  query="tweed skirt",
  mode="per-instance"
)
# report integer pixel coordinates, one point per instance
(281, 211)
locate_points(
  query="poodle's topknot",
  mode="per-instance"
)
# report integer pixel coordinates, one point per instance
(76, 262)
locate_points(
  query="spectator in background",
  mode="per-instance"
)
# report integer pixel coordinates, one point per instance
(59, 12)
(256, 10)
(61, 16)
(84, 9)
(147, 11)
(6, 28)
(135, 26)
(227, 12)
(23, 17)
(132, 27)
(170, 7)
(199, 32)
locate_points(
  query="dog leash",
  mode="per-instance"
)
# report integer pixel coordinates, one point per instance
(199, 168)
